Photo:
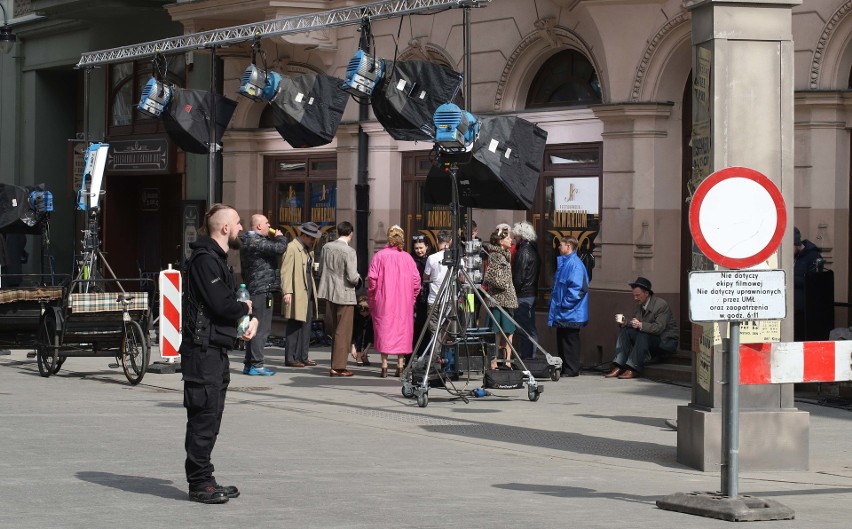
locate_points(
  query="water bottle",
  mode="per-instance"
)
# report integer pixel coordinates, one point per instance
(243, 295)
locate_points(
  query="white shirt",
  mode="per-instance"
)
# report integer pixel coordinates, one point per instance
(436, 272)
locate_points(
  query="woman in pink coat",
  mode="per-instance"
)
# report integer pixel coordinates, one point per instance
(393, 286)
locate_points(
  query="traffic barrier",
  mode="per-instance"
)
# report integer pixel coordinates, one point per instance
(171, 290)
(792, 362)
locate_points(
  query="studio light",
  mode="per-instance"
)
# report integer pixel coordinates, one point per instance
(307, 110)
(7, 38)
(455, 129)
(259, 84)
(89, 193)
(187, 118)
(409, 94)
(362, 74)
(157, 92)
(501, 171)
(19, 213)
(364, 70)
(155, 96)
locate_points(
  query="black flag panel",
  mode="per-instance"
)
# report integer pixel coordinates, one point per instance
(308, 108)
(502, 170)
(187, 118)
(408, 95)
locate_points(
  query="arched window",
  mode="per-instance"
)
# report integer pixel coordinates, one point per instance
(126, 83)
(566, 79)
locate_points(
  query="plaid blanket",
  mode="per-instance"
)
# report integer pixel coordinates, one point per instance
(30, 294)
(106, 302)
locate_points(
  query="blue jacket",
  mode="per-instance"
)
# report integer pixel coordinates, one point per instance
(569, 299)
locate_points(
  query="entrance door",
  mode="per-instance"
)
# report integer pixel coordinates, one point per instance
(141, 223)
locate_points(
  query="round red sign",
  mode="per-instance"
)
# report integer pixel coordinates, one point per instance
(737, 217)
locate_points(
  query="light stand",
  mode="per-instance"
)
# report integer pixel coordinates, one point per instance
(448, 322)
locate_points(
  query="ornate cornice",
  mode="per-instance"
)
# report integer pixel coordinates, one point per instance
(827, 33)
(653, 45)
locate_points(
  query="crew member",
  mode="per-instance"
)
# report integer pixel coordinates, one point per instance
(211, 313)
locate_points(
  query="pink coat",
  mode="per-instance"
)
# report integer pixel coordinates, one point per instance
(393, 287)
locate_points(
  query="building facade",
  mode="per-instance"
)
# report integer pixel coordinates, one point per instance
(610, 82)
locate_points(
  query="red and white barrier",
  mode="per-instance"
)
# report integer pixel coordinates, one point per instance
(171, 289)
(787, 363)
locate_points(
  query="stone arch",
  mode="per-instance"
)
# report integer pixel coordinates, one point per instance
(247, 114)
(666, 62)
(832, 58)
(419, 50)
(528, 57)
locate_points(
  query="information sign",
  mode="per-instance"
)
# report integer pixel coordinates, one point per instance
(737, 295)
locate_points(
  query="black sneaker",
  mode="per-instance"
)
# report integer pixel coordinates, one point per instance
(209, 494)
(230, 490)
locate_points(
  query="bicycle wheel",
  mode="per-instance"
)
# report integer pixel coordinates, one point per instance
(134, 352)
(46, 356)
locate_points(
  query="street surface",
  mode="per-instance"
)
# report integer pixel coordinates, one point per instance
(84, 449)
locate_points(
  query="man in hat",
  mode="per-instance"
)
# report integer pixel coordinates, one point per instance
(299, 294)
(651, 333)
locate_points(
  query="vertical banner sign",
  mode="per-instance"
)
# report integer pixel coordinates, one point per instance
(171, 290)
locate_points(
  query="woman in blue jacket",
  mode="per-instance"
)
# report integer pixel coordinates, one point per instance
(569, 305)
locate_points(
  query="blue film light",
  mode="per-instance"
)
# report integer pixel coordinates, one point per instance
(455, 129)
(258, 84)
(363, 74)
(155, 96)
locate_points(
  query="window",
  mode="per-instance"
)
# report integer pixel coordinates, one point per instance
(566, 79)
(301, 189)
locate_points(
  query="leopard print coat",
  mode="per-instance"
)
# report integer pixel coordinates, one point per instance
(498, 278)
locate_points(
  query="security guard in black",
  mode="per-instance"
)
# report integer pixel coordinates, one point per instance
(210, 316)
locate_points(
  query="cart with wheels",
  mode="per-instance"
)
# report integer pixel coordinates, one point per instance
(21, 308)
(97, 324)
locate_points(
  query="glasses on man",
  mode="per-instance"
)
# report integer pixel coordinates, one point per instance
(416, 238)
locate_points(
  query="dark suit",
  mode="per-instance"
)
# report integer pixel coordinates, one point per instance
(658, 337)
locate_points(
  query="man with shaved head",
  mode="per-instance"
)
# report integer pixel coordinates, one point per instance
(210, 315)
(262, 247)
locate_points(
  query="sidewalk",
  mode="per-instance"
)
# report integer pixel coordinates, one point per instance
(85, 449)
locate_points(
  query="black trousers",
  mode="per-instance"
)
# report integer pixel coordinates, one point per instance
(204, 403)
(568, 346)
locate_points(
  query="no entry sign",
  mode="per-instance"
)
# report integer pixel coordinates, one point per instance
(737, 217)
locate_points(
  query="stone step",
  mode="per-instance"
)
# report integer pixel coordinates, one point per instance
(675, 372)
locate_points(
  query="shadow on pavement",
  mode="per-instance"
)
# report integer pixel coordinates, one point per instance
(576, 492)
(162, 488)
(647, 421)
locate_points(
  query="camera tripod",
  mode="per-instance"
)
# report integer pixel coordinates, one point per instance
(452, 328)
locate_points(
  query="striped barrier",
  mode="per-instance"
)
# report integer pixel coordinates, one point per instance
(792, 362)
(171, 290)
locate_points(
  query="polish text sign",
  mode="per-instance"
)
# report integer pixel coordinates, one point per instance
(737, 295)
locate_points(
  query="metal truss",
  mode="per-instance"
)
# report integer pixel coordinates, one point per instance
(271, 28)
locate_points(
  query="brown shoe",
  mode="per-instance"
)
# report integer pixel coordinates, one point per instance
(340, 373)
(628, 374)
(398, 372)
(384, 373)
(616, 371)
(310, 363)
(294, 364)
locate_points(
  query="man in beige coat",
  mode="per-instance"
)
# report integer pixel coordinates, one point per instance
(337, 285)
(299, 295)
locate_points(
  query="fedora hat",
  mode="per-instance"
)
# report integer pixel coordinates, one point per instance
(310, 228)
(642, 283)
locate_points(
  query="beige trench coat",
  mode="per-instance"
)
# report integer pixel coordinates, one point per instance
(294, 281)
